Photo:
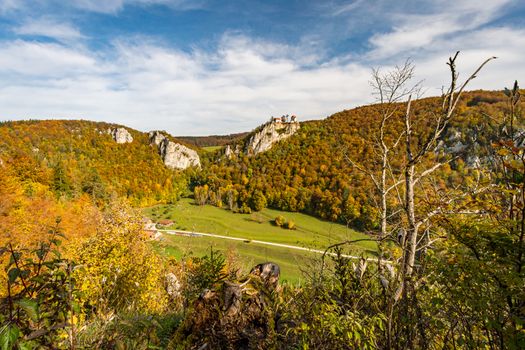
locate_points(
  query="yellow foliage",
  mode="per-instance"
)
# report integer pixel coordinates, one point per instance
(120, 271)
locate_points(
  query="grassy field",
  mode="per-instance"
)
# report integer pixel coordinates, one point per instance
(212, 148)
(291, 261)
(311, 232)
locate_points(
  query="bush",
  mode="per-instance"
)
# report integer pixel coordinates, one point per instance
(258, 218)
(42, 298)
(280, 221)
(120, 271)
(290, 225)
(245, 209)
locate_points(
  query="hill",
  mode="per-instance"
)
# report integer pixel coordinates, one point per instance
(212, 140)
(72, 157)
(310, 172)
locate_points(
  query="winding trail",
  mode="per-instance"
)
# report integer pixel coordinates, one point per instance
(254, 241)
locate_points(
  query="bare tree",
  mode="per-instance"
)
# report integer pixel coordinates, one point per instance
(396, 93)
(390, 89)
(416, 150)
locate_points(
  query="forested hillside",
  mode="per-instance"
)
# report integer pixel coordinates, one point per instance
(75, 157)
(314, 172)
(212, 140)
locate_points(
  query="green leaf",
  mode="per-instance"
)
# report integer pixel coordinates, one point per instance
(13, 274)
(30, 307)
(25, 345)
(9, 334)
(41, 253)
(15, 256)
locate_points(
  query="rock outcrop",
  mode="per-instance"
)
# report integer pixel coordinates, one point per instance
(120, 135)
(269, 134)
(174, 155)
(156, 137)
(230, 152)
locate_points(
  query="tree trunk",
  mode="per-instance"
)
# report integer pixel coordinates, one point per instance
(411, 237)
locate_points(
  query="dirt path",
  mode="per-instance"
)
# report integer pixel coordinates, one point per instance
(254, 241)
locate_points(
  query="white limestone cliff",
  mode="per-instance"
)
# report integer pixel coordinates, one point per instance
(270, 134)
(120, 135)
(174, 155)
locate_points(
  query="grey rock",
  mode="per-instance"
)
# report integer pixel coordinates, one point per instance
(271, 133)
(156, 137)
(120, 135)
(174, 155)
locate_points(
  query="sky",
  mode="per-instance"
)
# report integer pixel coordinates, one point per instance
(201, 67)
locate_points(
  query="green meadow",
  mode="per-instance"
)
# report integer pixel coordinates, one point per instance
(310, 232)
(211, 149)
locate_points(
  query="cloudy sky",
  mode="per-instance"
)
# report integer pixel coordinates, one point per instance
(197, 67)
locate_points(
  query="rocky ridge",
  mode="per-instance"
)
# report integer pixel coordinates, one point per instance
(269, 134)
(174, 155)
(120, 135)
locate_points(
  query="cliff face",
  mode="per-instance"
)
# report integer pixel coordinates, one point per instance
(120, 135)
(174, 155)
(270, 134)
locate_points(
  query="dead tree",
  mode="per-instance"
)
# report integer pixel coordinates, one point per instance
(416, 150)
(390, 89)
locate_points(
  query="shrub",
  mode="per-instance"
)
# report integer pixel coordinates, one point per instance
(256, 217)
(41, 305)
(245, 209)
(290, 225)
(280, 221)
(120, 270)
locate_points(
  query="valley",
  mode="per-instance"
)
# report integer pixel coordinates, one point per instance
(310, 232)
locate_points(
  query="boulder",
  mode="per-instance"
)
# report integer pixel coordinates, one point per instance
(177, 156)
(156, 137)
(173, 286)
(120, 135)
(228, 152)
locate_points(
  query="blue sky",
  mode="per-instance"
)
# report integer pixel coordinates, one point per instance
(213, 67)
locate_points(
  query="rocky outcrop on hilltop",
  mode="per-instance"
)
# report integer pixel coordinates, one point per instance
(120, 135)
(174, 155)
(156, 137)
(269, 134)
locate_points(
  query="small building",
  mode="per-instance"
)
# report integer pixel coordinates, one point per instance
(165, 222)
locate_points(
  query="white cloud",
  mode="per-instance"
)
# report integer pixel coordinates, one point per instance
(345, 8)
(113, 6)
(446, 18)
(148, 85)
(50, 28)
(9, 5)
(98, 6)
(151, 86)
(42, 61)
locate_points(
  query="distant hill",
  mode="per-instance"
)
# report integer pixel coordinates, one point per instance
(213, 140)
(76, 156)
(310, 172)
